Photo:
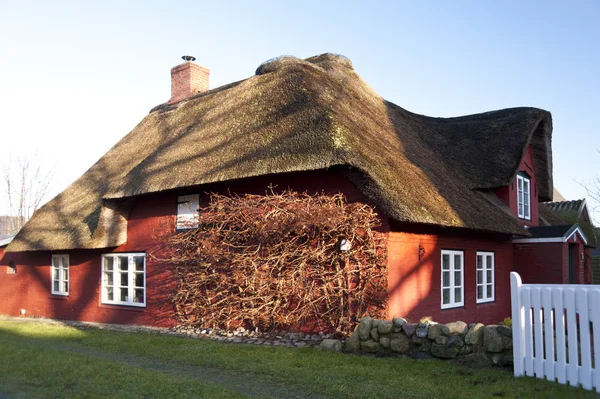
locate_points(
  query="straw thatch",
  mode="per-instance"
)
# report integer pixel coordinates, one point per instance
(569, 212)
(298, 115)
(548, 217)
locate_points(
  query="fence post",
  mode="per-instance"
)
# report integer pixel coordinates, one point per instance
(517, 324)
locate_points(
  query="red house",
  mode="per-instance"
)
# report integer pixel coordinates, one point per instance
(458, 198)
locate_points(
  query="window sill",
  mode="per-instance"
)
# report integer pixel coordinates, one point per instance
(450, 307)
(117, 306)
(63, 297)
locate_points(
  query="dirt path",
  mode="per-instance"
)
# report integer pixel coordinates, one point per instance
(247, 384)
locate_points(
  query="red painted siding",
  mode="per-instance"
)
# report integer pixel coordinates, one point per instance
(414, 285)
(508, 194)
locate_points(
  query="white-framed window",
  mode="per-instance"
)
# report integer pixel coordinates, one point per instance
(60, 274)
(523, 197)
(453, 266)
(485, 277)
(187, 211)
(124, 279)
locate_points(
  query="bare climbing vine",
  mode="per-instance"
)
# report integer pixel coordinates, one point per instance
(274, 262)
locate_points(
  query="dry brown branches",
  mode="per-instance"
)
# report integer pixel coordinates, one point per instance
(274, 262)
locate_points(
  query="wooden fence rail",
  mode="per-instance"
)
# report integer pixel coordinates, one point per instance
(556, 331)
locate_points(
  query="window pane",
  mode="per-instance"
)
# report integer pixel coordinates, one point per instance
(526, 210)
(445, 279)
(66, 273)
(446, 262)
(55, 286)
(457, 262)
(139, 296)
(446, 296)
(108, 278)
(489, 291)
(520, 208)
(55, 273)
(124, 279)
(457, 295)
(479, 291)
(123, 297)
(457, 279)
(479, 276)
(139, 280)
(123, 262)
(139, 263)
(479, 261)
(489, 276)
(66, 287)
(108, 263)
(109, 294)
(489, 262)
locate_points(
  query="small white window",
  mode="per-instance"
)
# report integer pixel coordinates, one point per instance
(124, 279)
(485, 277)
(523, 197)
(452, 279)
(187, 211)
(60, 274)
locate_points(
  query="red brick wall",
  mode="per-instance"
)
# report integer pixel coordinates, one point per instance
(540, 263)
(150, 217)
(578, 260)
(415, 285)
(508, 194)
(548, 263)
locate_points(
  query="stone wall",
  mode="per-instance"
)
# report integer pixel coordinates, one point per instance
(472, 344)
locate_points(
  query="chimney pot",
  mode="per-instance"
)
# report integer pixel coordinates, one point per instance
(188, 79)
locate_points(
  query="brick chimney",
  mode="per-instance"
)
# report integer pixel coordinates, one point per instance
(188, 79)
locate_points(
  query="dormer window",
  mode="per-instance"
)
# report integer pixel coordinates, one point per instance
(187, 211)
(523, 197)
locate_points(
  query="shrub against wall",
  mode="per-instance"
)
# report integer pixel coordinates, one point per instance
(274, 262)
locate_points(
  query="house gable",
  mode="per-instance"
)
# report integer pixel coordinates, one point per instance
(510, 194)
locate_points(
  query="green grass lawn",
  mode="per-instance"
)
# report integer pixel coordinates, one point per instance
(46, 361)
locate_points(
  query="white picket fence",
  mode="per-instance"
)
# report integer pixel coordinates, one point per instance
(556, 332)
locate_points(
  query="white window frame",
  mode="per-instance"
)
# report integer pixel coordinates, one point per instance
(523, 197)
(58, 271)
(452, 285)
(116, 273)
(187, 211)
(485, 282)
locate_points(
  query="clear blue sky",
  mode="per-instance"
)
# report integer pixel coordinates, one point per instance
(77, 76)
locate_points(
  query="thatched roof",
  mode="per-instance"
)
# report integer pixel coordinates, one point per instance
(576, 209)
(298, 115)
(569, 212)
(548, 217)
